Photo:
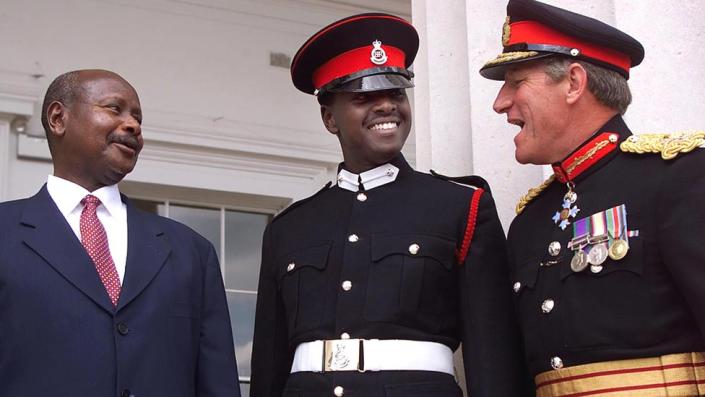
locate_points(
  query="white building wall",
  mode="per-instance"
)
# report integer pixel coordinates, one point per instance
(223, 123)
(217, 115)
(667, 86)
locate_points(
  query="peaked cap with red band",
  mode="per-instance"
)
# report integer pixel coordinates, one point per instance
(366, 52)
(536, 30)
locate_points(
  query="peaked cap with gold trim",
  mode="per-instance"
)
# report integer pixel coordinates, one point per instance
(535, 30)
(365, 52)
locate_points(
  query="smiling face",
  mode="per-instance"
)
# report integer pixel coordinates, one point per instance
(371, 126)
(537, 104)
(97, 138)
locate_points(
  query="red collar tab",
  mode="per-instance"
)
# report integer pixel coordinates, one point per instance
(356, 60)
(585, 157)
(532, 32)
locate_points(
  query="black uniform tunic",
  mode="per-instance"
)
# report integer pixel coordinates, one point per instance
(393, 294)
(651, 302)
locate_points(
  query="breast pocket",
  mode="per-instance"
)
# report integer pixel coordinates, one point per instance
(411, 280)
(605, 308)
(301, 279)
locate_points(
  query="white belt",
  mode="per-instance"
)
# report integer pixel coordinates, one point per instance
(372, 355)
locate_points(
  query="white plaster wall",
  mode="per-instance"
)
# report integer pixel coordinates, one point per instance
(202, 71)
(4, 153)
(667, 86)
(217, 115)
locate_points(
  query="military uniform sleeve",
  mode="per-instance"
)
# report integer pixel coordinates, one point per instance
(681, 227)
(271, 355)
(217, 369)
(492, 354)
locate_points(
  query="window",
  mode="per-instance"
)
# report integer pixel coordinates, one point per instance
(237, 237)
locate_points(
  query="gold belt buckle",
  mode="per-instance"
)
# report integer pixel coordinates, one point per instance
(342, 355)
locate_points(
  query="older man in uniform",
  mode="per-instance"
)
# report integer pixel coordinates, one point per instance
(607, 254)
(368, 286)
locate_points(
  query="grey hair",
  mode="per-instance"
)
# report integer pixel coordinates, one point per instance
(609, 87)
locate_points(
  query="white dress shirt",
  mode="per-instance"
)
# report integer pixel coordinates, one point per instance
(370, 179)
(112, 214)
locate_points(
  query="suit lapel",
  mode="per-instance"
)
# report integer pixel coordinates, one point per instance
(147, 250)
(46, 232)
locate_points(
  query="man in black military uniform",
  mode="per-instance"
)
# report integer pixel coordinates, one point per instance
(607, 255)
(367, 287)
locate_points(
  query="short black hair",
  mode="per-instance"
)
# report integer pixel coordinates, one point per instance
(65, 89)
(326, 98)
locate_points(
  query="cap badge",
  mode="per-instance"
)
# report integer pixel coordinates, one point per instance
(506, 32)
(378, 56)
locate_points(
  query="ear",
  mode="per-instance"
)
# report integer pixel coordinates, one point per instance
(329, 120)
(56, 118)
(578, 81)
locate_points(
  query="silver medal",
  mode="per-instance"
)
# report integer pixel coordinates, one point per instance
(579, 261)
(597, 255)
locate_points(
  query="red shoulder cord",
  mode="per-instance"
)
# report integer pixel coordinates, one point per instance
(470, 228)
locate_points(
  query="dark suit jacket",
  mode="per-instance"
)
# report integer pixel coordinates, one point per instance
(170, 334)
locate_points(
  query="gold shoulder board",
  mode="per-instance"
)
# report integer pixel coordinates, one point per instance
(669, 145)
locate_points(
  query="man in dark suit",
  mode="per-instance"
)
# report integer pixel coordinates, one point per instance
(367, 287)
(607, 255)
(98, 298)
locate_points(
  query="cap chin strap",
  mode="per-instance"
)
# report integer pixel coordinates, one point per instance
(568, 51)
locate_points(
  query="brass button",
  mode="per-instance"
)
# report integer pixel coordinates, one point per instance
(353, 238)
(517, 287)
(361, 197)
(338, 391)
(290, 267)
(347, 285)
(554, 248)
(414, 249)
(614, 138)
(547, 306)
(556, 362)
(345, 335)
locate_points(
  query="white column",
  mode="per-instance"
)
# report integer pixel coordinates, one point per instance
(457, 132)
(442, 96)
(668, 86)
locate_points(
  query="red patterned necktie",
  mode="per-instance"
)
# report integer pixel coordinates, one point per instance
(95, 241)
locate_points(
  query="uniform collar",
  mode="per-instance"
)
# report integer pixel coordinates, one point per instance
(370, 179)
(592, 152)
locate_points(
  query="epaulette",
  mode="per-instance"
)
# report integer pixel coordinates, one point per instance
(532, 194)
(669, 145)
(298, 203)
(471, 181)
